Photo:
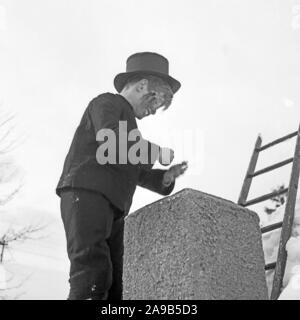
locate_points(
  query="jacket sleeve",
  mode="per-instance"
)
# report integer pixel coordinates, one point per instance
(105, 115)
(152, 179)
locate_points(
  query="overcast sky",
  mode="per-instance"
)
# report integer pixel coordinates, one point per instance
(238, 62)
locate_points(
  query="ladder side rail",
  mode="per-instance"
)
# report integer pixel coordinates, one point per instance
(287, 223)
(251, 168)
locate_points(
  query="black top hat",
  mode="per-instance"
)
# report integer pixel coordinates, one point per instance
(146, 63)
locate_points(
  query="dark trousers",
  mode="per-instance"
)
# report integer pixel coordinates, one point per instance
(94, 232)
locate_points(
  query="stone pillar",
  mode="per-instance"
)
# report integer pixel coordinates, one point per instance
(193, 245)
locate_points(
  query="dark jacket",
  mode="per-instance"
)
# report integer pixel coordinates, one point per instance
(116, 181)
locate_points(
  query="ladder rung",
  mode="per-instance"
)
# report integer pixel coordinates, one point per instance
(265, 197)
(271, 227)
(270, 168)
(291, 135)
(270, 266)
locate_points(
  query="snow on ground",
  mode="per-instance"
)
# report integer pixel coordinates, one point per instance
(291, 280)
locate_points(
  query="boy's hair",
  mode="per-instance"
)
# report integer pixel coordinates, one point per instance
(154, 84)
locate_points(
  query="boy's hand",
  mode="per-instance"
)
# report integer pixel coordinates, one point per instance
(174, 172)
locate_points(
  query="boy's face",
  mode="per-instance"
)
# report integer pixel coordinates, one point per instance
(150, 102)
(147, 101)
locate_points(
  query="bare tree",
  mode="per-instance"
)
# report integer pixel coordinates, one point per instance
(9, 172)
(7, 239)
(12, 235)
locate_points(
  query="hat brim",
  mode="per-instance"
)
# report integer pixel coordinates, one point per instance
(121, 79)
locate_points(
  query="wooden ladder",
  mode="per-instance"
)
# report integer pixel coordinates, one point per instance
(291, 191)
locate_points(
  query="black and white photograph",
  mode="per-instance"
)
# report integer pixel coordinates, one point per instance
(149, 151)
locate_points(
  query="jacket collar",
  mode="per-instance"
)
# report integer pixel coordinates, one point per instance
(124, 101)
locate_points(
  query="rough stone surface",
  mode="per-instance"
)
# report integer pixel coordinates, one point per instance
(193, 245)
